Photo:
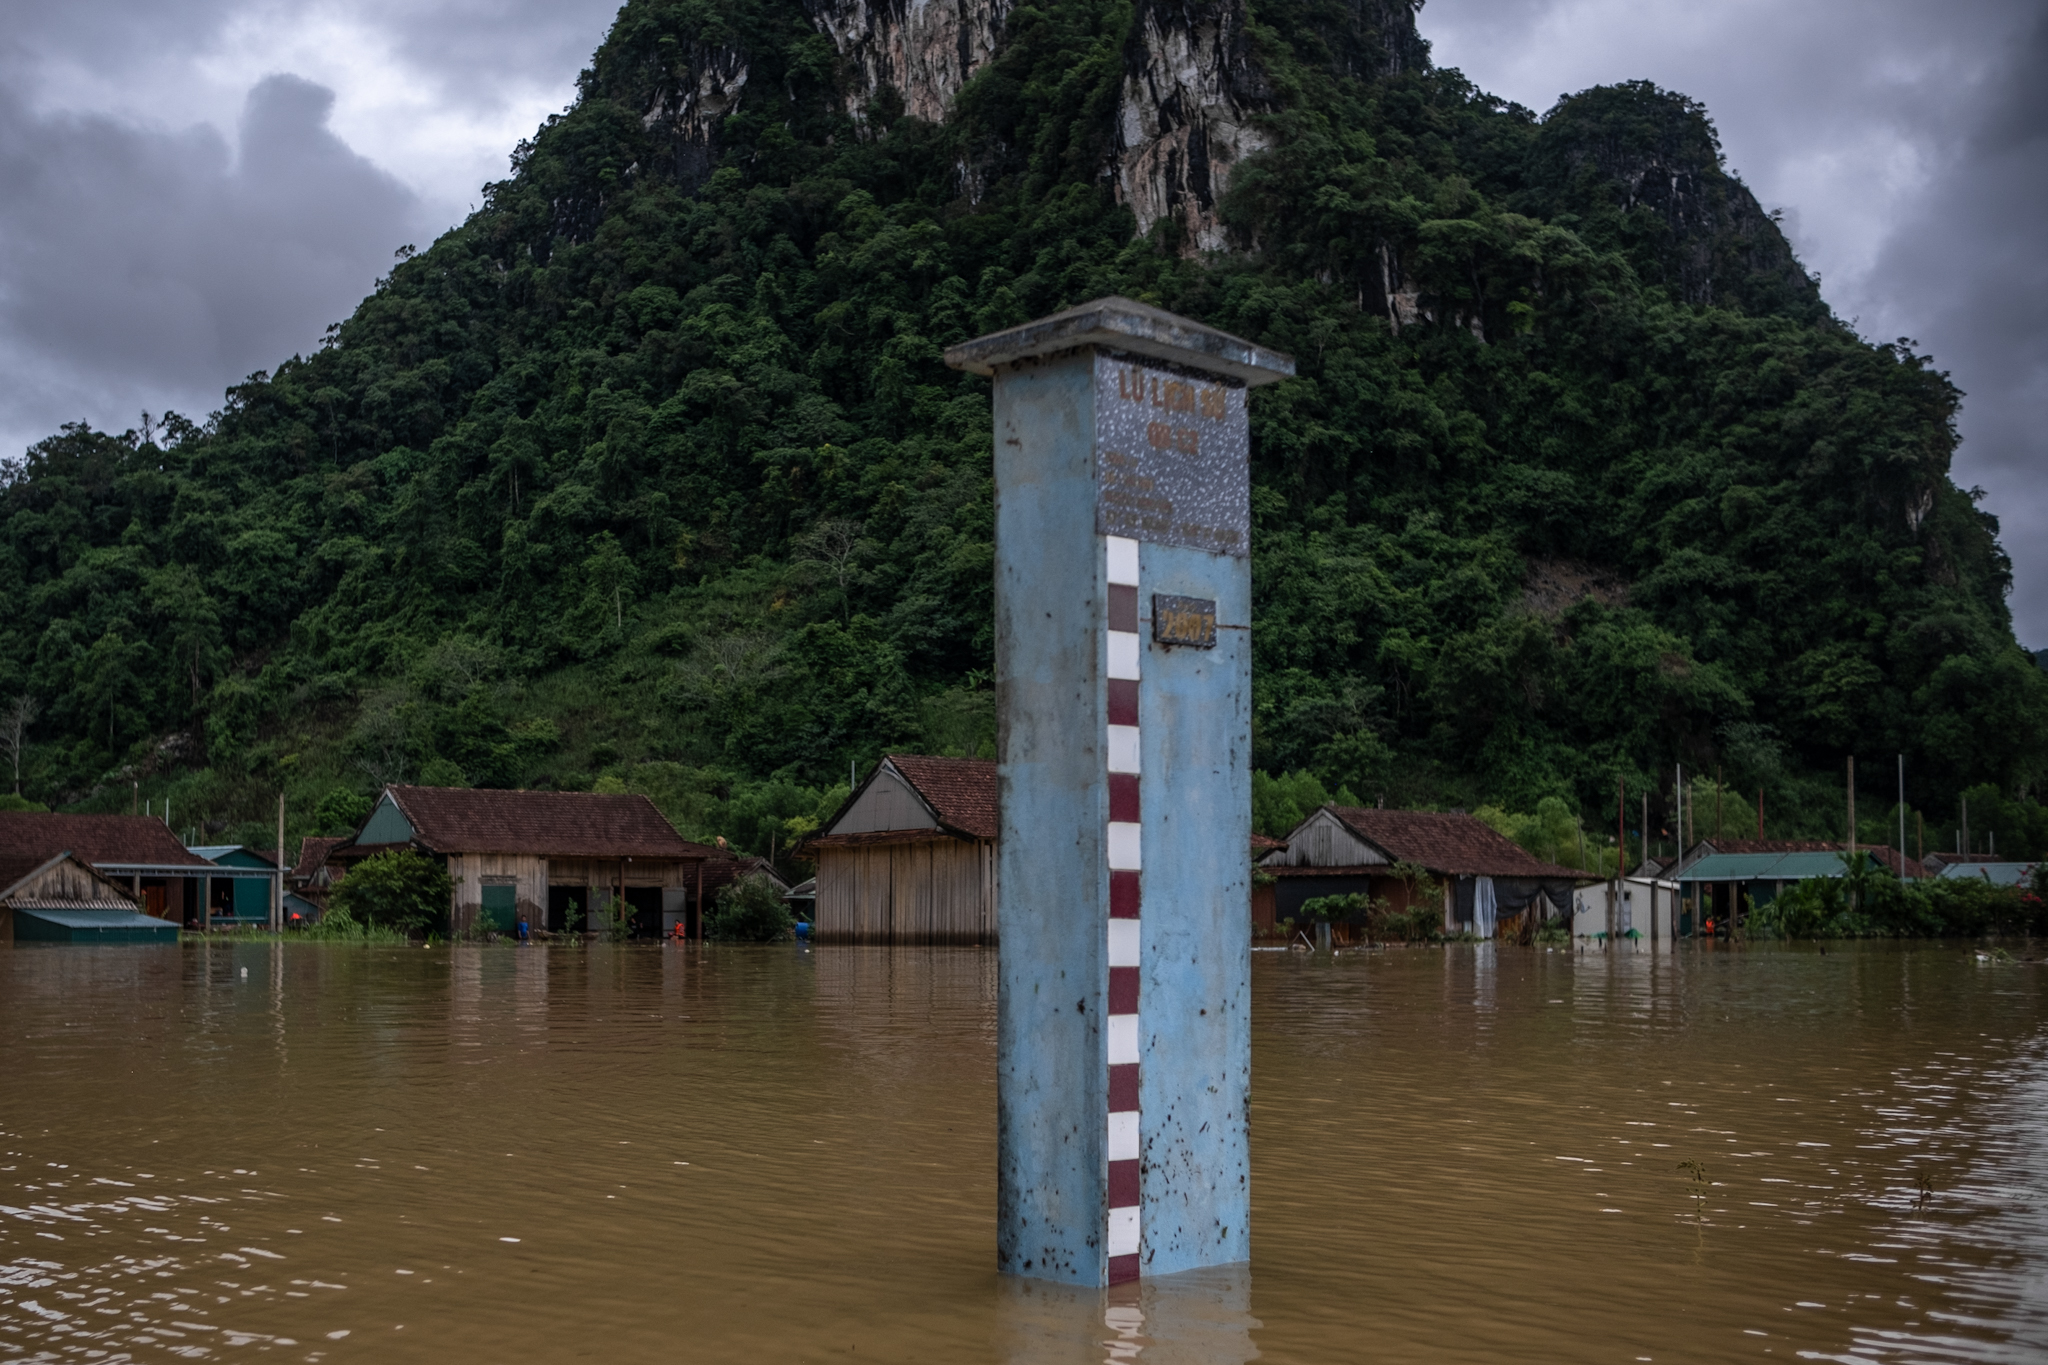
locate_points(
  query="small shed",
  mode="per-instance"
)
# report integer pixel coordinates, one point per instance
(1488, 882)
(62, 900)
(1647, 907)
(911, 856)
(138, 853)
(548, 858)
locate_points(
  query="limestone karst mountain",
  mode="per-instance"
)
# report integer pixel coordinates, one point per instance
(650, 473)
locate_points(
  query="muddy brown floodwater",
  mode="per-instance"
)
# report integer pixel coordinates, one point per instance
(242, 1151)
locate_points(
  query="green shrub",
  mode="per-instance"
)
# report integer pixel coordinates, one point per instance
(1872, 903)
(402, 889)
(750, 910)
(1422, 922)
(338, 926)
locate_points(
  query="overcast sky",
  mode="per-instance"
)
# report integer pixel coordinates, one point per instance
(194, 189)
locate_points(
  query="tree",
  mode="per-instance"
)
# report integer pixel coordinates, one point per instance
(611, 577)
(749, 910)
(836, 547)
(341, 812)
(192, 630)
(399, 889)
(14, 722)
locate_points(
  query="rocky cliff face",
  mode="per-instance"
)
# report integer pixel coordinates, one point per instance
(924, 50)
(1186, 118)
(689, 107)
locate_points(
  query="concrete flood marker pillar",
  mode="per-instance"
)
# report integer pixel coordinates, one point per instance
(1123, 665)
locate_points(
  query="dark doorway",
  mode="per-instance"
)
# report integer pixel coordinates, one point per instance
(646, 904)
(566, 904)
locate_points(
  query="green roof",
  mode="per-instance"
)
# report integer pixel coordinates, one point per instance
(1998, 874)
(1763, 867)
(90, 926)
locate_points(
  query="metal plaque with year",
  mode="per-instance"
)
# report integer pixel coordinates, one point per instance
(1189, 621)
(1173, 456)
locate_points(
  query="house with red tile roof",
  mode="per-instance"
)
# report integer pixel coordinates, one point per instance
(911, 856)
(1482, 874)
(138, 853)
(547, 858)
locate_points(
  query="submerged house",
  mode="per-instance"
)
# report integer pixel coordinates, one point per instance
(137, 853)
(239, 899)
(546, 858)
(1984, 869)
(60, 899)
(1487, 882)
(1716, 876)
(911, 856)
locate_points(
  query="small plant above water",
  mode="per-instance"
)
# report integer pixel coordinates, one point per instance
(1700, 1183)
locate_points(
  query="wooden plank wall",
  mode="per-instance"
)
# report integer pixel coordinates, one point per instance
(68, 881)
(1323, 841)
(926, 891)
(526, 871)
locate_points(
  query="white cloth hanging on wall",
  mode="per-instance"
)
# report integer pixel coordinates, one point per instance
(1484, 907)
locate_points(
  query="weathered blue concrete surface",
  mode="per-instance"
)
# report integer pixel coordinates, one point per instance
(1194, 711)
(1052, 874)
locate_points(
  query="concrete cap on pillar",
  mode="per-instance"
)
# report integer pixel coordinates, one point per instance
(1126, 325)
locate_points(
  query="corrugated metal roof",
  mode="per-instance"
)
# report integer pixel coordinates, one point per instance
(1764, 867)
(50, 905)
(1998, 874)
(75, 918)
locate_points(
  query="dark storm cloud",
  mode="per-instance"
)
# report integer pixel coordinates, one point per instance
(1904, 140)
(1969, 268)
(160, 262)
(172, 218)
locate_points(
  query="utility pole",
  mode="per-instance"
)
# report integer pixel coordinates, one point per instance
(1963, 845)
(1717, 803)
(1620, 853)
(1902, 817)
(1852, 806)
(1850, 866)
(1759, 814)
(1678, 807)
(277, 901)
(1646, 828)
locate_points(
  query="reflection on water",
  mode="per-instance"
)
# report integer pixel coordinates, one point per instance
(1199, 1317)
(649, 1153)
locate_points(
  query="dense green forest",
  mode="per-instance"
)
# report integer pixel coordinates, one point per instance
(649, 475)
